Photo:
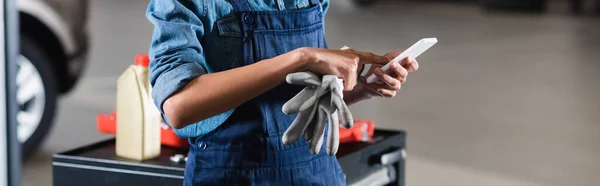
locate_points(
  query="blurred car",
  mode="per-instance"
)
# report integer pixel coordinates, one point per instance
(53, 48)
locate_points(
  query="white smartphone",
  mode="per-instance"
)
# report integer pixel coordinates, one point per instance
(413, 51)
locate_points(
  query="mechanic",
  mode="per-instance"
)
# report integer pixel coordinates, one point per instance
(218, 69)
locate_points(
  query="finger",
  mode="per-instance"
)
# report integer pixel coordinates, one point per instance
(308, 133)
(381, 90)
(326, 105)
(326, 85)
(333, 134)
(337, 103)
(310, 127)
(345, 117)
(414, 66)
(298, 126)
(317, 137)
(392, 55)
(410, 64)
(330, 81)
(368, 58)
(300, 101)
(388, 80)
(320, 90)
(335, 87)
(339, 87)
(349, 82)
(361, 69)
(303, 78)
(400, 71)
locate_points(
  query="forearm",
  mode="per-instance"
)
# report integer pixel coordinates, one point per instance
(211, 94)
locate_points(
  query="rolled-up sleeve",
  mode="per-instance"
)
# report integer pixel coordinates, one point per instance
(176, 55)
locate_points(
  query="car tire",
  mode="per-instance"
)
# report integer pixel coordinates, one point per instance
(32, 54)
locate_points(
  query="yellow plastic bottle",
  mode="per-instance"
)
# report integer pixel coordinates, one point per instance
(138, 120)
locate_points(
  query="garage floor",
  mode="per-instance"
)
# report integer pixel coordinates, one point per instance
(503, 99)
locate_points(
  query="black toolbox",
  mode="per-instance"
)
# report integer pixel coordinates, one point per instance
(379, 162)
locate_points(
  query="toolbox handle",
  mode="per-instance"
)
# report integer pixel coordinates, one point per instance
(393, 157)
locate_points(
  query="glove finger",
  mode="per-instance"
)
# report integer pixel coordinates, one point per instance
(308, 131)
(338, 101)
(333, 134)
(325, 99)
(295, 130)
(308, 134)
(312, 100)
(303, 78)
(329, 82)
(321, 90)
(344, 113)
(326, 105)
(317, 141)
(339, 89)
(299, 101)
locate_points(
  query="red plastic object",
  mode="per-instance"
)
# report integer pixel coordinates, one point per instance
(362, 131)
(142, 60)
(169, 138)
(107, 124)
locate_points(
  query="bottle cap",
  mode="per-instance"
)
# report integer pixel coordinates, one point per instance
(142, 60)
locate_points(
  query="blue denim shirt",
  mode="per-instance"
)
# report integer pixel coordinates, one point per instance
(180, 48)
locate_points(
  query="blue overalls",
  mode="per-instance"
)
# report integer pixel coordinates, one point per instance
(247, 149)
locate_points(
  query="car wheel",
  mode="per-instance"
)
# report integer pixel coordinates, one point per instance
(36, 95)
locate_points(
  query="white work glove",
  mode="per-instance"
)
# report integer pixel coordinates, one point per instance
(321, 100)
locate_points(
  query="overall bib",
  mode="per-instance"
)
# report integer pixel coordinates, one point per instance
(247, 149)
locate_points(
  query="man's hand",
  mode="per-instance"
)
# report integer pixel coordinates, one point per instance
(390, 82)
(340, 63)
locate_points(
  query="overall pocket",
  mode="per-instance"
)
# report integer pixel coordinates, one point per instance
(230, 43)
(271, 43)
